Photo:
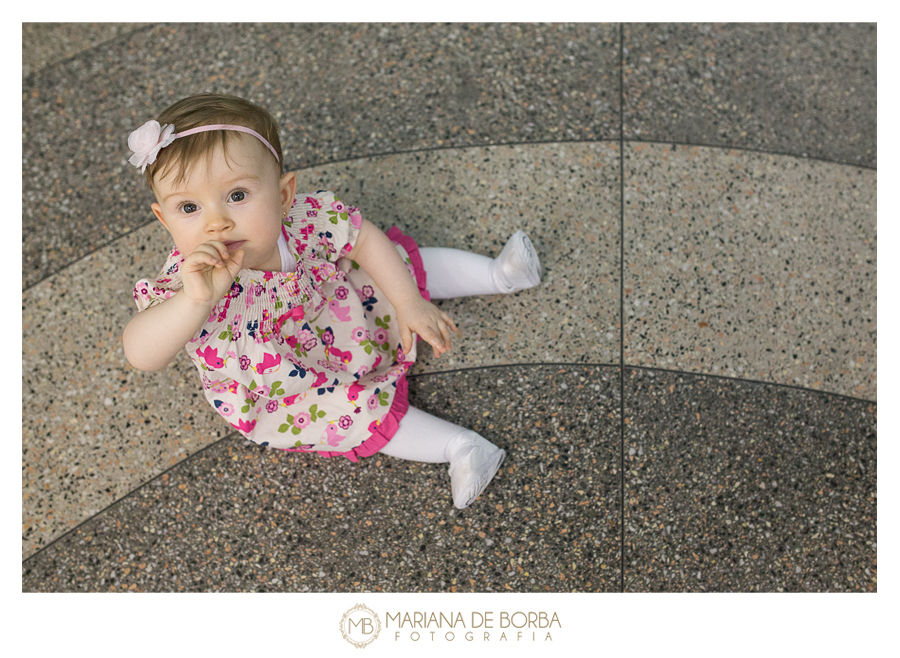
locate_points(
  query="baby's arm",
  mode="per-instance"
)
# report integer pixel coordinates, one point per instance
(378, 256)
(154, 337)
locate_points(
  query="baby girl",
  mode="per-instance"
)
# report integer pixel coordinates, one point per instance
(298, 313)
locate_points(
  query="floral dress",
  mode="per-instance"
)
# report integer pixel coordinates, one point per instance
(306, 360)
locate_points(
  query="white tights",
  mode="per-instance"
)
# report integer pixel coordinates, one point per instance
(451, 273)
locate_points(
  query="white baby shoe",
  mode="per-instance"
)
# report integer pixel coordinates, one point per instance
(473, 463)
(518, 266)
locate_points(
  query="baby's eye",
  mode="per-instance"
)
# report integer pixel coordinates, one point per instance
(238, 195)
(188, 208)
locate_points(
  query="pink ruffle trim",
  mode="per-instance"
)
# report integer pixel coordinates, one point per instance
(396, 236)
(391, 421)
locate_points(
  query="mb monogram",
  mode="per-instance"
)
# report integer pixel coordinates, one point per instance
(361, 625)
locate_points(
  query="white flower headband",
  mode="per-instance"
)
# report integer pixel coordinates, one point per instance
(146, 142)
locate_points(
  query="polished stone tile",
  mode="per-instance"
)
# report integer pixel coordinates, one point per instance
(45, 44)
(93, 427)
(565, 196)
(337, 90)
(751, 265)
(800, 88)
(464, 198)
(238, 517)
(737, 487)
(387, 87)
(79, 191)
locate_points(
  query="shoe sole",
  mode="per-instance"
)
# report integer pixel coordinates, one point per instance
(530, 255)
(492, 472)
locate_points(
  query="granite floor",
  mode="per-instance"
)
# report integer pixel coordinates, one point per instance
(688, 400)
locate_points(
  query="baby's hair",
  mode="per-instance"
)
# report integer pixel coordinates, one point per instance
(204, 110)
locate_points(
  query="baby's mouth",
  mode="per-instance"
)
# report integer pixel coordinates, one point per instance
(234, 246)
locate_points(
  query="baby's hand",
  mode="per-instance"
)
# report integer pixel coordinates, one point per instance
(427, 320)
(208, 272)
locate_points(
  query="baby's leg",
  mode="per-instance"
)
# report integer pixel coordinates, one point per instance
(456, 273)
(473, 459)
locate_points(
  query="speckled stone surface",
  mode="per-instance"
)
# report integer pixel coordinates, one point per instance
(565, 196)
(45, 44)
(750, 265)
(738, 487)
(337, 90)
(237, 517)
(469, 198)
(799, 88)
(738, 264)
(93, 427)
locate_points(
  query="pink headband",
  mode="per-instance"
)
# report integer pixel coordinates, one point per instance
(146, 142)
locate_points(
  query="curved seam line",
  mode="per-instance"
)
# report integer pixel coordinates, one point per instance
(428, 374)
(127, 495)
(612, 140)
(445, 148)
(648, 368)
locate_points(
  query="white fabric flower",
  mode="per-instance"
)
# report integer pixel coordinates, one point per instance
(146, 141)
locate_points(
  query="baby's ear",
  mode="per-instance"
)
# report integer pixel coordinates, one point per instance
(288, 186)
(157, 210)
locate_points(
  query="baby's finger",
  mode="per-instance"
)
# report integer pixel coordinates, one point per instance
(234, 264)
(446, 318)
(434, 339)
(208, 253)
(406, 339)
(220, 249)
(445, 336)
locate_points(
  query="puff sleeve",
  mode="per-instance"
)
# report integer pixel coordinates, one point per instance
(150, 292)
(329, 230)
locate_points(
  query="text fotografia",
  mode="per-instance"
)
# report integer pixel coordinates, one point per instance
(482, 626)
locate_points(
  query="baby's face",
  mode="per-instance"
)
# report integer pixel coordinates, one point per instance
(238, 201)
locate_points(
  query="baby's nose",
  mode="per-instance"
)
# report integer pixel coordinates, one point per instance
(216, 221)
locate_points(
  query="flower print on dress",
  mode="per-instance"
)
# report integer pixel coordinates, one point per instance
(302, 420)
(355, 217)
(235, 291)
(359, 334)
(329, 366)
(328, 248)
(367, 297)
(320, 364)
(220, 386)
(381, 336)
(224, 408)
